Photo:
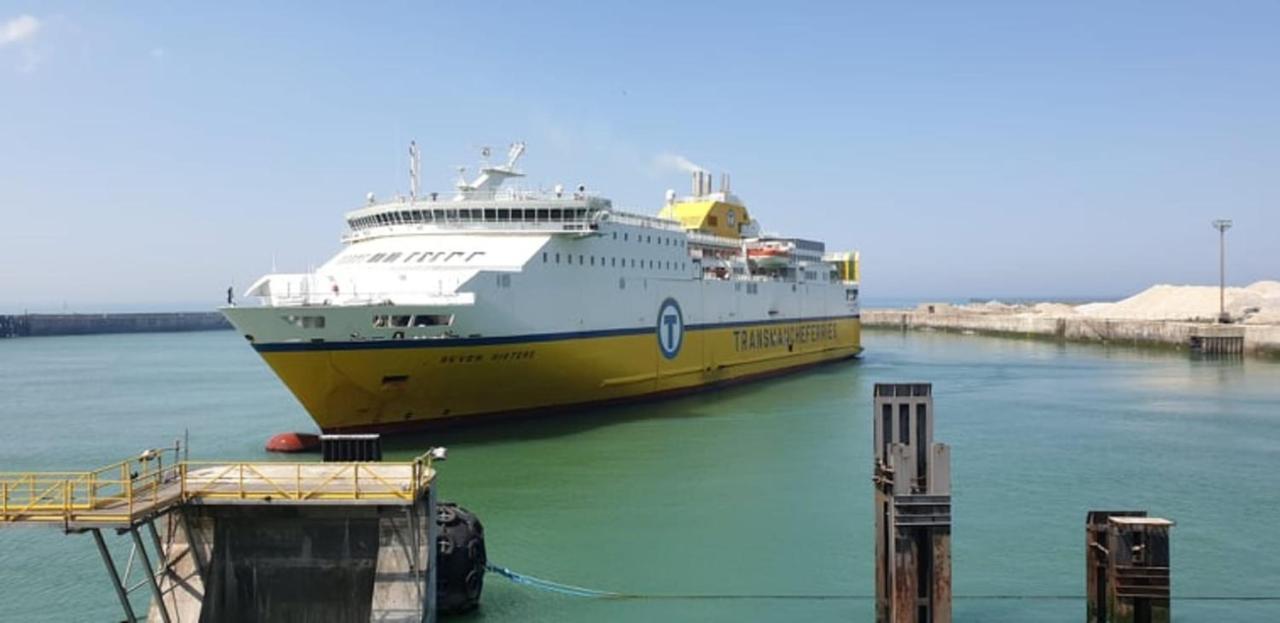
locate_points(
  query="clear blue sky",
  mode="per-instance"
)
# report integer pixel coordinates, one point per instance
(152, 154)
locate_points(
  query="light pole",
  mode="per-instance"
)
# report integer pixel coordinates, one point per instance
(1222, 225)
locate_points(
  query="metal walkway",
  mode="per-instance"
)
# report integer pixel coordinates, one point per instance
(125, 493)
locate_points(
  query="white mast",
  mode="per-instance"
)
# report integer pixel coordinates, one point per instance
(415, 169)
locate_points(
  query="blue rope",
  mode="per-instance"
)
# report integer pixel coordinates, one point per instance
(548, 585)
(578, 591)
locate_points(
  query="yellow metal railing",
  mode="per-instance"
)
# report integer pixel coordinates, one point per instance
(120, 492)
(112, 491)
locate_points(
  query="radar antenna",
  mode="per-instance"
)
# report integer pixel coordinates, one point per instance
(491, 177)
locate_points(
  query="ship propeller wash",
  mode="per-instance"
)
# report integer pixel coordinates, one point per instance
(491, 300)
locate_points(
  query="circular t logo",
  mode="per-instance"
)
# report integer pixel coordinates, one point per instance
(670, 328)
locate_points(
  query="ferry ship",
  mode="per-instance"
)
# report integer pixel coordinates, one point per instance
(492, 300)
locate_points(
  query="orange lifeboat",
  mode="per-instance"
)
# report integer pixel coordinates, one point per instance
(769, 256)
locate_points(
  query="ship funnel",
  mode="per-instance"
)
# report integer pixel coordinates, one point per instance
(697, 184)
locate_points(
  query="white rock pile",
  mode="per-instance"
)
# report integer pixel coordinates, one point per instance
(1257, 303)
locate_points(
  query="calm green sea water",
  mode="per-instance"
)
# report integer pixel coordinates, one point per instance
(757, 490)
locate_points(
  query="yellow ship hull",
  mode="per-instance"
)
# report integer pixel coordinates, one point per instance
(410, 384)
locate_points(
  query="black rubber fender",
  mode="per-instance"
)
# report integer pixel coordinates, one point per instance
(460, 558)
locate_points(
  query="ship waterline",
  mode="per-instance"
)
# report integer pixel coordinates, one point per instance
(399, 386)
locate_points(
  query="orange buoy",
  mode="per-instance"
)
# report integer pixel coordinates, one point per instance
(293, 442)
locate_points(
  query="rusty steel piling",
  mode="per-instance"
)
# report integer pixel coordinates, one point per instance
(913, 508)
(1127, 575)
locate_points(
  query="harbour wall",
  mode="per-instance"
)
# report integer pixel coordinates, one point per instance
(1261, 340)
(31, 325)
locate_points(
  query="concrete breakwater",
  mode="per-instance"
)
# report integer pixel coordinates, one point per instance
(1263, 340)
(24, 325)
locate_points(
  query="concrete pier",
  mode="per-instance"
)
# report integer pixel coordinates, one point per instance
(34, 325)
(252, 541)
(1261, 340)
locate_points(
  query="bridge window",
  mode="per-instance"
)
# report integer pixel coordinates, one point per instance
(434, 320)
(376, 257)
(391, 258)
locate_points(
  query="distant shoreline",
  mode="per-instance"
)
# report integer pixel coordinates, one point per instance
(1259, 340)
(41, 325)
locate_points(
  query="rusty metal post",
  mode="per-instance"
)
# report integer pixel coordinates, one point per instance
(1127, 567)
(913, 508)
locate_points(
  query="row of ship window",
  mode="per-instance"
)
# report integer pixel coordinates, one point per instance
(648, 239)
(418, 320)
(409, 217)
(379, 321)
(476, 215)
(613, 262)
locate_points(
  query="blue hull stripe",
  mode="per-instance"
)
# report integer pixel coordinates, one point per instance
(285, 347)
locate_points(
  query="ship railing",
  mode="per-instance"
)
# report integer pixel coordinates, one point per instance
(409, 220)
(643, 220)
(714, 241)
(485, 225)
(503, 194)
(372, 299)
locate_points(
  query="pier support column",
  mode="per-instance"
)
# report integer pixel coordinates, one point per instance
(913, 508)
(114, 574)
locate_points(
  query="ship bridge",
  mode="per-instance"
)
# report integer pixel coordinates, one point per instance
(515, 211)
(478, 204)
